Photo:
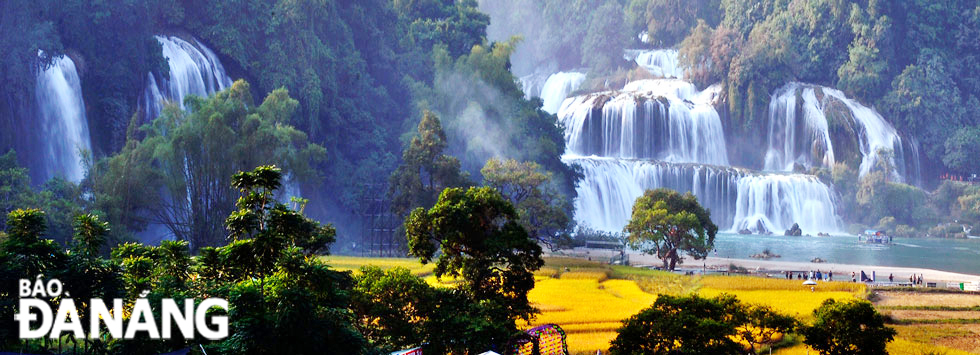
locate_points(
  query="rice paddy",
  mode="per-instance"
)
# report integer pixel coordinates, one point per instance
(589, 300)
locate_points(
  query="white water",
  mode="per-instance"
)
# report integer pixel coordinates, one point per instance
(773, 202)
(553, 89)
(194, 70)
(737, 198)
(660, 62)
(666, 133)
(799, 133)
(557, 88)
(657, 119)
(62, 120)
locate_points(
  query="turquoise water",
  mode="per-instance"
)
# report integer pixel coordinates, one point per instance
(956, 255)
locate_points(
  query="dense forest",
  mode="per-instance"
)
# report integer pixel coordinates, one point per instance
(344, 96)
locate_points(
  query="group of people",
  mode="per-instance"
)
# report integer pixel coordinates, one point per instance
(913, 279)
(814, 275)
(829, 276)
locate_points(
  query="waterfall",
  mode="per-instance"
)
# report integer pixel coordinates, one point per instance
(737, 198)
(557, 88)
(659, 62)
(799, 132)
(553, 89)
(795, 138)
(61, 117)
(773, 202)
(532, 84)
(194, 70)
(663, 124)
(666, 133)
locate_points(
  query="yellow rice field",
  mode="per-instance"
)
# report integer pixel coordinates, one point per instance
(590, 300)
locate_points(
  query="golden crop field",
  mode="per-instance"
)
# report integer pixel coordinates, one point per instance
(590, 300)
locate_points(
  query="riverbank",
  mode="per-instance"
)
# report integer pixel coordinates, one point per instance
(842, 271)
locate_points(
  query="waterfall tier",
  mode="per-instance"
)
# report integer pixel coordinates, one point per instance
(650, 119)
(62, 121)
(552, 89)
(815, 126)
(659, 62)
(194, 70)
(737, 198)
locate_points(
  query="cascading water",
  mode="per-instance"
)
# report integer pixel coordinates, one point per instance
(800, 132)
(557, 89)
(671, 123)
(553, 89)
(659, 62)
(738, 199)
(64, 127)
(666, 133)
(194, 70)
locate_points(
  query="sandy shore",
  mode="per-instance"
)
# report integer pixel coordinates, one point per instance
(842, 272)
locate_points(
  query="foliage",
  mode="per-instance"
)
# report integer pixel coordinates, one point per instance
(606, 37)
(482, 242)
(665, 223)
(926, 89)
(669, 21)
(852, 327)
(962, 150)
(425, 170)
(696, 325)
(543, 211)
(194, 155)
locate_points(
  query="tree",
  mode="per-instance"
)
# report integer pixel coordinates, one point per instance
(425, 170)
(962, 150)
(925, 100)
(695, 55)
(669, 21)
(543, 211)
(187, 160)
(847, 327)
(481, 241)
(90, 234)
(681, 325)
(606, 38)
(762, 325)
(392, 307)
(665, 223)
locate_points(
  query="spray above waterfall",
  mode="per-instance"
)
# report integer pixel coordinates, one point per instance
(61, 120)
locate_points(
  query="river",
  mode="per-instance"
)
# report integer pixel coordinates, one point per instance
(955, 255)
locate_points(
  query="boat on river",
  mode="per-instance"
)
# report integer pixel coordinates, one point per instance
(873, 236)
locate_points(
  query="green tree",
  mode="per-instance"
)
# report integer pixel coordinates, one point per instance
(481, 241)
(282, 298)
(187, 160)
(762, 325)
(425, 170)
(543, 211)
(682, 325)
(962, 150)
(696, 55)
(15, 185)
(847, 327)
(90, 234)
(392, 306)
(665, 223)
(669, 21)
(865, 73)
(605, 39)
(925, 100)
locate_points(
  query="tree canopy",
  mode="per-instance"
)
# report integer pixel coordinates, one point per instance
(665, 223)
(847, 327)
